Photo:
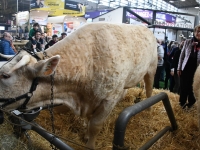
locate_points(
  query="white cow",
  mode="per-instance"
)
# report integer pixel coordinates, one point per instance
(94, 67)
(196, 90)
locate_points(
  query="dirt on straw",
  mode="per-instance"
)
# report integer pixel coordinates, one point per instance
(141, 128)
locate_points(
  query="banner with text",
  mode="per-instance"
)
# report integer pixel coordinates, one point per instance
(59, 7)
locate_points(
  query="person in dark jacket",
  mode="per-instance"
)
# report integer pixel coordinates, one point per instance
(174, 65)
(5, 46)
(52, 42)
(174, 48)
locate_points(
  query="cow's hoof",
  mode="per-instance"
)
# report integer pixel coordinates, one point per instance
(137, 100)
(86, 137)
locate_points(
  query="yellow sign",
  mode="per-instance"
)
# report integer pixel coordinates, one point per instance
(59, 7)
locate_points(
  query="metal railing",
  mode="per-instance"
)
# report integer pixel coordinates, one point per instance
(127, 113)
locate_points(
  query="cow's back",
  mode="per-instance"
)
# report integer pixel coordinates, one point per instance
(107, 57)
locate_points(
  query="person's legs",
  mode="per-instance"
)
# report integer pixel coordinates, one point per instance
(184, 88)
(162, 76)
(157, 77)
(167, 74)
(177, 83)
(172, 83)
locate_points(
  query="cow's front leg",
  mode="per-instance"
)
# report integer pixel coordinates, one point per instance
(96, 121)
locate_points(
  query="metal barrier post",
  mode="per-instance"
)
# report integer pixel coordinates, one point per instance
(127, 113)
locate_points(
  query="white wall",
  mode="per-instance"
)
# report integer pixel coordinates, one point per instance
(114, 16)
(191, 10)
(159, 33)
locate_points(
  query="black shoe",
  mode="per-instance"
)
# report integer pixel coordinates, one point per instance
(183, 105)
(190, 105)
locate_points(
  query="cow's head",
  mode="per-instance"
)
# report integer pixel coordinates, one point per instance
(16, 76)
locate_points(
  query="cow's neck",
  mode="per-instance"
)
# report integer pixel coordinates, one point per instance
(62, 95)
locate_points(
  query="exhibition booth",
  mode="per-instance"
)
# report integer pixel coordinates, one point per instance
(50, 25)
(174, 25)
(67, 24)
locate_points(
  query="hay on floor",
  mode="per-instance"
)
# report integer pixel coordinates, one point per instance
(141, 127)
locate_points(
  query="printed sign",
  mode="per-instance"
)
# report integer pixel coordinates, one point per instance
(143, 13)
(95, 14)
(22, 18)
(71, 5)
(174, 20)
(59, 7)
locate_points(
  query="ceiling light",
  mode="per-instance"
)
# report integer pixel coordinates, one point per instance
(196, 7)
(182, 0)
(171, 1)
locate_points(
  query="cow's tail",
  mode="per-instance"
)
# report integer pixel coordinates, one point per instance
(196, 90)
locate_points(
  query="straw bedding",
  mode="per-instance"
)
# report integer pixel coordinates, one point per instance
(141, 128)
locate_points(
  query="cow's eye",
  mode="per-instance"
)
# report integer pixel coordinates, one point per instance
(5, 76)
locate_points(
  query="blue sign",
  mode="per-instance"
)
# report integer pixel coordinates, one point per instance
(95, 14)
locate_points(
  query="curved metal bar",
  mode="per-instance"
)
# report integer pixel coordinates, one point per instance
(51, 138)
(127, 113)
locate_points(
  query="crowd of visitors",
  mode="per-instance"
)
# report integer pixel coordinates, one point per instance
(180, 63)
(168, 69)
(38, 41)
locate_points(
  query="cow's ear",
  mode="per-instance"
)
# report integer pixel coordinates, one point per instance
(46, 67)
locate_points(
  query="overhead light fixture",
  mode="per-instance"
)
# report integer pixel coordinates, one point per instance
(196, 7)
(183, 0)
(171, 1)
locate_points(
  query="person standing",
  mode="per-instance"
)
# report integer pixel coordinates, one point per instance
(160, 64)
(174, 65)
(188, 62)
(174, 48)
(5, 46)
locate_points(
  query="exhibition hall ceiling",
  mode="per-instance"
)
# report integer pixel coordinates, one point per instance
(183, 3)
(92, 5)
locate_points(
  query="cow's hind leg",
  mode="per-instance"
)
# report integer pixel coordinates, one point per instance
(148, 80)
(96, 121)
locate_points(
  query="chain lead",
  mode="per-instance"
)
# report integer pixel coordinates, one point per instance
(51, 108)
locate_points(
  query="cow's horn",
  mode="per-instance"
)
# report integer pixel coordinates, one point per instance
(6, 56)
(25, 60)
